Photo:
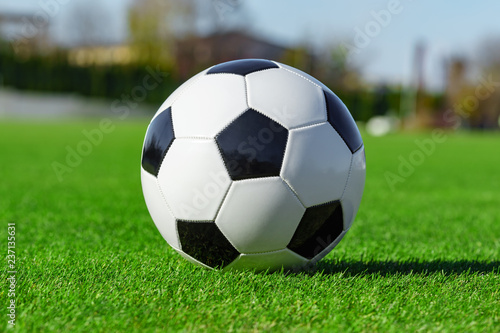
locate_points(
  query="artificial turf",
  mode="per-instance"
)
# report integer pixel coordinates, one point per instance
(422, 255)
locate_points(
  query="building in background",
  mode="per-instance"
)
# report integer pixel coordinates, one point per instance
(473, 103)
(26, 36)
(196, 53)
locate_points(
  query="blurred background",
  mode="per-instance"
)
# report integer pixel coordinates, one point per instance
(398, 65)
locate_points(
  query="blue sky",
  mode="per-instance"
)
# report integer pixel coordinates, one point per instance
(447, 28)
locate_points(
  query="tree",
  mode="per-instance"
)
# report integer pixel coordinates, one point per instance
(487, 90)
(155, 24)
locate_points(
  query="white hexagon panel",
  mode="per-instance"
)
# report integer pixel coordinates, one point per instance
(286, 97)
(193, 179)
(259, 215)
(219, 99)
(177, 92)
(316, 164)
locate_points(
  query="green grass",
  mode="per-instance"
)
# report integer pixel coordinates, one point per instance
(422, 257)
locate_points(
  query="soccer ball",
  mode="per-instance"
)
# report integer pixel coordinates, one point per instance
(252, 164)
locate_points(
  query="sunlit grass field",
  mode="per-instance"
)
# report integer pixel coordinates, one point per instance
(423, 253)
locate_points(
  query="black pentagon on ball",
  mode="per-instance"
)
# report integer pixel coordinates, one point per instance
(204, 242)
(253, 146)
(242, 67)
(159, 138)
(319, 227)
(341, 120)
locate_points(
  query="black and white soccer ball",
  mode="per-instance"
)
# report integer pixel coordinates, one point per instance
(252, 164)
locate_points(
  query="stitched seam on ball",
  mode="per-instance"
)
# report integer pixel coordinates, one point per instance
(249, 108)
(267, 116)
(262, 113)
(239, 115)
(358, 149)
(183, 91)
(266, 252)
(286, 157)
(169, 145)
(225, 170)
(262, 70)
(231, 121)
(301, 76)
(310, 125)
(291, 189)
(195, 221)
(326, 203)
(220, 229)
(197, 261)
(163, 197)
(221, 152)
(203, 138)
(343, 138)
(348, 177)
(255, 179)
(225, 194)
(247, 96)
(329, 248)
(220, 155)
(224, 73)
(284, 151)
(170, 211)
(324, 104)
